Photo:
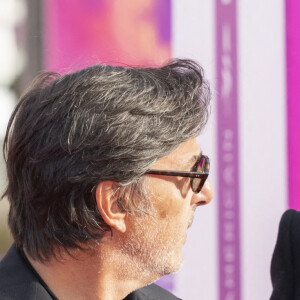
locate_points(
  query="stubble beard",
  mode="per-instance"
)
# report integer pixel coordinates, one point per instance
(149, 251)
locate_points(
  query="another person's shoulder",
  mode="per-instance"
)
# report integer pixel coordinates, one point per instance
(289, 229)
(285, 264)
(290, 216)
(151, 292)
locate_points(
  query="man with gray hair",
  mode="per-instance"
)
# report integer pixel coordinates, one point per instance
(104, 176)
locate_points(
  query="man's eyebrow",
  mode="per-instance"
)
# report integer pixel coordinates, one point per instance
(192, 160)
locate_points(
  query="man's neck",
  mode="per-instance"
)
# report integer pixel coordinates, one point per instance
(103, 273)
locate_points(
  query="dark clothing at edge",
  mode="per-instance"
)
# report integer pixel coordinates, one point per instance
(19, 281)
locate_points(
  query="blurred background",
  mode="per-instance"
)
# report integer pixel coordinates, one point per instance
(250, 53)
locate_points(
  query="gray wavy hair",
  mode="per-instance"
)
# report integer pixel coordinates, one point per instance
(70, 132)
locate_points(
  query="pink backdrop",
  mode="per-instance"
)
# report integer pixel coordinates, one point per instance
(293, 99)
(79, 33)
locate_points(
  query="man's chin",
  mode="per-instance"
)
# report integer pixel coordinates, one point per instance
(168, 266)
(171, 270)
(174, 266)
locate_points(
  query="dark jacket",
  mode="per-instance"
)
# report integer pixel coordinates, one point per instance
(19, 281)
(285, 265)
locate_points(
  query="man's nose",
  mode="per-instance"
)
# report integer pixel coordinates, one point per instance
(205, 195)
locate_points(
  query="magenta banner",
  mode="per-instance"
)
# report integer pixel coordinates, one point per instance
(83, 32)
(293, 99)
(228, 152)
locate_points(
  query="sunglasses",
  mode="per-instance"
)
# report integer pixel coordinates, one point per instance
(198, 175)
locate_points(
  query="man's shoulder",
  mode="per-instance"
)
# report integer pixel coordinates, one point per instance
(151, 292)
(12, 269)
(16, 280)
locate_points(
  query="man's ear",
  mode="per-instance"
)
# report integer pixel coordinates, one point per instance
(107, 202)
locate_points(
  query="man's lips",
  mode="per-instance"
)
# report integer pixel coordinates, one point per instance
(191, 222)
(192, 216)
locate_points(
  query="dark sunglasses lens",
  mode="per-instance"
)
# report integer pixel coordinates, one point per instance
(196, 182)
(199, 167)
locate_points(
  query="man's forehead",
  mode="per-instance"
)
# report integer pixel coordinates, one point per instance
(192, 160)
(185, 155)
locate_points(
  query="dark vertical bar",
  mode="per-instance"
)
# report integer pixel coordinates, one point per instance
(34, 42)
